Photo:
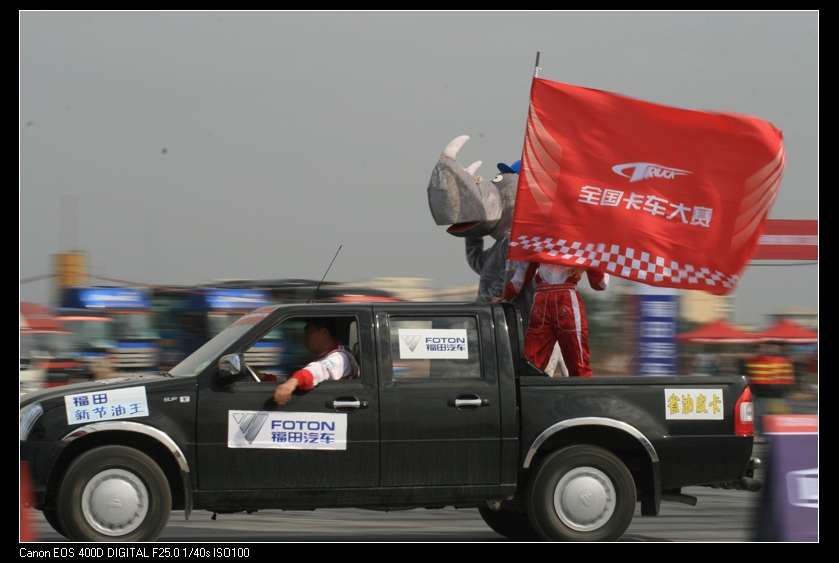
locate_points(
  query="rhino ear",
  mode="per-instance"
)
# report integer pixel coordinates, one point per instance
(473, 167)
(451, 149)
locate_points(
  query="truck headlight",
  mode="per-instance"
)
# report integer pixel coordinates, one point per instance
(29, 415)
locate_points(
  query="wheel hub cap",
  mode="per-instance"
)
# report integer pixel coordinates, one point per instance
(115, 502)
(584, 499)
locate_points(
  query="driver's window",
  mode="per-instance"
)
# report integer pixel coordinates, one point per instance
(283, 351)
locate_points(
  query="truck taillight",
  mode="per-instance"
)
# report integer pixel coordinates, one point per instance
(744, 414)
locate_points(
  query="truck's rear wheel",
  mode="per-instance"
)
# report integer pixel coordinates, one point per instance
(114, 493)
(581, 493)
(513, 525)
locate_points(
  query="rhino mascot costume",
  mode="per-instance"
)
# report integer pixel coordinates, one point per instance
(475, 208)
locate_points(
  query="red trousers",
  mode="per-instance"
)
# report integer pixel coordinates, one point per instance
(558, 315)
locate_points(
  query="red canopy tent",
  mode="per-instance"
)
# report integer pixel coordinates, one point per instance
(788, 332)
(718, 332)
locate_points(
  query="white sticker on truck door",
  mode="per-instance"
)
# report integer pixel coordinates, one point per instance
(433, 343)
(693, 404)
(106, 404)
(287, 430)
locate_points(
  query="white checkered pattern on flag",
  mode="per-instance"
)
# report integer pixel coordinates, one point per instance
(626, 263)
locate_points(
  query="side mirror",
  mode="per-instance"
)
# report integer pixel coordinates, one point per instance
(231, 369)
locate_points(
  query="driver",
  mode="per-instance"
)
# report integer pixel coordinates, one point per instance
(332, 360)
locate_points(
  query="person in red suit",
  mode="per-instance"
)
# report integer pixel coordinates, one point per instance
(558, 314)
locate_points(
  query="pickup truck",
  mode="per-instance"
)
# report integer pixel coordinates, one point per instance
(445, 412)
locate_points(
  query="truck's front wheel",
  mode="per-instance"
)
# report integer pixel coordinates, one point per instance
(513, 525)
(581, 493)
(51, 516)
(114, 493)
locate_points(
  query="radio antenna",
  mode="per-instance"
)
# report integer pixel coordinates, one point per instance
(312, 298)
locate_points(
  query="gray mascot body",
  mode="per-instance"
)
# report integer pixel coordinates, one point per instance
(475, 208)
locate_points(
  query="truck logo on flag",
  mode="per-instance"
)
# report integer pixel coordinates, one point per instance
(645, 170)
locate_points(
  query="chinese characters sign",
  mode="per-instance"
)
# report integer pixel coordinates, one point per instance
(433, 343)
(693, 404)
(652, 204)
(107, 404)
(290, 431)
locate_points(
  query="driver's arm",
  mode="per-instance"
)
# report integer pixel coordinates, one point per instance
(283, 393)
(333, 366)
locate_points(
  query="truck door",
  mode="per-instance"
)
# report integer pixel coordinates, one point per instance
(247, 442)
(439, 397)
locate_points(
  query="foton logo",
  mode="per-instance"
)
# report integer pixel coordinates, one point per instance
(250, 424)
(644, 170)
(411, 341)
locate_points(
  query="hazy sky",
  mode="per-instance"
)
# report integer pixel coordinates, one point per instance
(188, 146)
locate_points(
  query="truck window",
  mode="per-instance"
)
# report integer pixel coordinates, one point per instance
(435, 348)
(283, 350)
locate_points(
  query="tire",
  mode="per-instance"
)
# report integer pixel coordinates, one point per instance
(114, 493)
(513, 525)
(581, 493)
(51, 516)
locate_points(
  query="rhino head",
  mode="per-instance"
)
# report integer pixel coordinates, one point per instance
(472, 206)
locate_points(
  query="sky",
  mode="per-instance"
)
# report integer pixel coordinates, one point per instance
(174, 148)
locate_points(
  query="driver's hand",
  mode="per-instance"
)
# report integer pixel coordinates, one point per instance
(282, 394)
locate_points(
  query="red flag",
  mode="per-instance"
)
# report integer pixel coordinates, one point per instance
(660, 195)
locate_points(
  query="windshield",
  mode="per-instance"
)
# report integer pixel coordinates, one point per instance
(57, 344)
(134, 326)
(218, 321)
(92, 331)
(27, 345)
(209, 352)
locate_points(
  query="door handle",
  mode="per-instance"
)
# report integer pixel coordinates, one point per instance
(470, 402)
(347, 404)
